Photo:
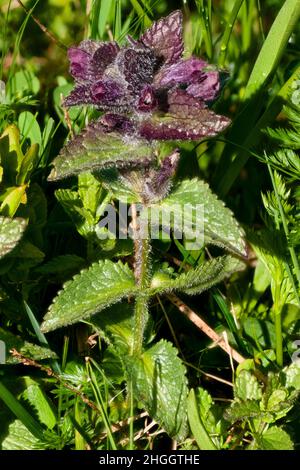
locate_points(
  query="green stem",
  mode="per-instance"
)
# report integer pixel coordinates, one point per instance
(278, 332)
(142, 248)
(228, 31)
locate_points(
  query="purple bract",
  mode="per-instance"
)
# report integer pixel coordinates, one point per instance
(148, 85)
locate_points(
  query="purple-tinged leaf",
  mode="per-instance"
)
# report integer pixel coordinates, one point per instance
(181, 72)
(185, 119)
(89, 60)
(165, 38)
(79, 63)
(137, 66)
(81, 94)
(100, 146)
(105, 55)
(207, 88)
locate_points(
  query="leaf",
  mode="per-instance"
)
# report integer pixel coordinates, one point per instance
(19, 438)
(186, 119)
(12, 200)
(274, 46)
(165, 37)
(27, 349)
(246, 386)
(28, 163)
(95, 148)
(159, 383)
(39, 401)
(292, 376)
(196, 424)
(89, 292)
(202, 278)
(275, 438)
(30, 128)
(11, 231)
(217, 221)
(242, 410)
(20, 412)
(117, 324)
(62, 264)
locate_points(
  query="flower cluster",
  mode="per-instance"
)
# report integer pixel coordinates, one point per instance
(146, 87)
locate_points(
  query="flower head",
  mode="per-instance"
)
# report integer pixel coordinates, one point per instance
(165, 95)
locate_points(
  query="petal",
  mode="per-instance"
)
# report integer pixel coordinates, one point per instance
(165, 38)
(207, 88)
(137, 65)
(112, 94)
(185, 119)
(105, 55)
(79, 63)
(184, 72)
(79, 95)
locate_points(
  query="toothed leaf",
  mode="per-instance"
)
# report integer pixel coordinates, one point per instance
(201, 278)
(11, 231)
(219, 226)
(96, 148)
(165, 37)
(89, 292)
(159, 382)
(185, 118)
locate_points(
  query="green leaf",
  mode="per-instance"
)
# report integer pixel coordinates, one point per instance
(23, 81)
(27, 349)
(11, 231)
(89, 292)
(12, 200)
(19, 438)
(196, 423)
(275, 438)
(39, 401)
(246, 386)
(94, 148)
(159, 383)
(20, 412)
(273, 46)
(202, 278)
(116, 323)
(28, 163)
(217, 221)
(30, 128)
(292, 376)
(62, 264)
(242, 410)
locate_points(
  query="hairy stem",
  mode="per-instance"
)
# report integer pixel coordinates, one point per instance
(141, 271)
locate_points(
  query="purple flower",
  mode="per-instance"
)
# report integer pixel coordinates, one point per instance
(164, 96)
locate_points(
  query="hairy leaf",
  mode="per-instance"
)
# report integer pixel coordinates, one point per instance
(201, 278)
(89, 292)
(275, 438)
(213, 218)
(27, 349)
(19, 438)
(159, 382)
(247, 387)
(165, 37)
(185, 118)
(11, 231)
(97, 147)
